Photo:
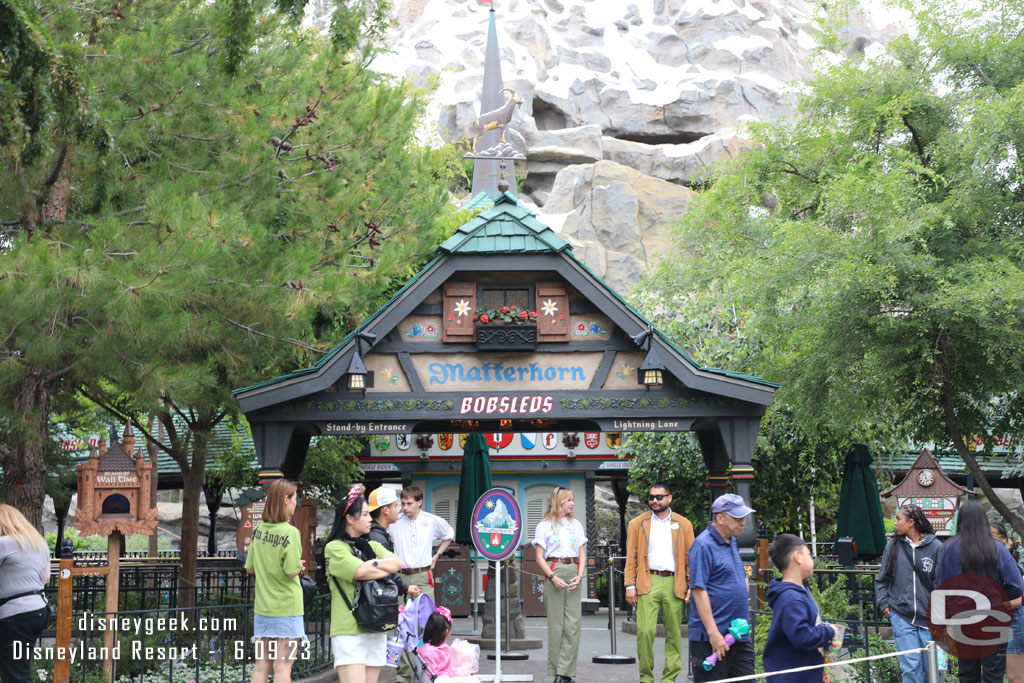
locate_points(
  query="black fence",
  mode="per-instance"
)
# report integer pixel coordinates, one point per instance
(157, 640)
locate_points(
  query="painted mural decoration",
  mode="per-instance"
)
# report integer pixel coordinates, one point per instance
(585, 329)
(427, 330)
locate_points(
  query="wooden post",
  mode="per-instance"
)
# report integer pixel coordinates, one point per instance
(762, 567)
(113, 587)
(62, 665)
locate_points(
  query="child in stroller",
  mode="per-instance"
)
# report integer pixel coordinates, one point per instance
(437, 660)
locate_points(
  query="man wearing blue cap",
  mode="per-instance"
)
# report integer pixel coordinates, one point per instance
(720, 593)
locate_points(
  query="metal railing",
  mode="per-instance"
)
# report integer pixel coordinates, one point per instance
(208, 643)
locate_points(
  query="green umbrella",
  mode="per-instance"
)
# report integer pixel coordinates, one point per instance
(475, 480)
(860, 508)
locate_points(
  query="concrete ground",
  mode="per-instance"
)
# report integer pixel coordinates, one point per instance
(595, 640)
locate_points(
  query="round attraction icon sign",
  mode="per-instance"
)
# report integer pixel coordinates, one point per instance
(497, 524)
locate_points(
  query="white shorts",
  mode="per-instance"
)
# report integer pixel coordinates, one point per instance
(366, 648)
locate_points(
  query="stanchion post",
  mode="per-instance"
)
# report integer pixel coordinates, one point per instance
(933, 662)
(613, 658)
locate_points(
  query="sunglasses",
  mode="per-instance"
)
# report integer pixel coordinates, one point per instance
(658, 496)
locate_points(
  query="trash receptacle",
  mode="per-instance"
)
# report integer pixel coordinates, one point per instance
(532, 583)
(452, 576)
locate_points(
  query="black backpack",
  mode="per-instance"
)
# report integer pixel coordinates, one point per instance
(375, 602)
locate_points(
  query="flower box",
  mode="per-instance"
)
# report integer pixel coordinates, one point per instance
(521, 337)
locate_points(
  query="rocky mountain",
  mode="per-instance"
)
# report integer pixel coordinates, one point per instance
(624, 103)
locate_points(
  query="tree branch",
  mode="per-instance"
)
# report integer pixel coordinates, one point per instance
(793, 170)
(287, 340)
(955, 434)
(916, 138)
(122, 415)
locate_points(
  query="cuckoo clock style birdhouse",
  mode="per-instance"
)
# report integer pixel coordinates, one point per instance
(114, 490)
(928, 487)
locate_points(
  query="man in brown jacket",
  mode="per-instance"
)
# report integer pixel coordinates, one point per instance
(657, 546)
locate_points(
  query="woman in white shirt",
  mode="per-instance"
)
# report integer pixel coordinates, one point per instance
(561, 546)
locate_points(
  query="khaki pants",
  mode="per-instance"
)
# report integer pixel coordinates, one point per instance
(404, 673)
(564, 610)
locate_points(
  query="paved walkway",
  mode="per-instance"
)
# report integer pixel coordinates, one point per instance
(595, 640)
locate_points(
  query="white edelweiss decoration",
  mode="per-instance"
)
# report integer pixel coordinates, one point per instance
(549, 308)
(462, 307)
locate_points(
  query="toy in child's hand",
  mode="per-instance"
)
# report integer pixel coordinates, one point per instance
(737, 629)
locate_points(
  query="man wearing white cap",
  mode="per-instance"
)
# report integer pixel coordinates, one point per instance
(720, 593)
(383, 507)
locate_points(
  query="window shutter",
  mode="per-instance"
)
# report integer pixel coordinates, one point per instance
(455, 327)
(553, 326)
(446, 507)
(535, 509)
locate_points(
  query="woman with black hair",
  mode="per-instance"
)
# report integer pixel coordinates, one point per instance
(904, 584)
(358, 654)
(985, 564)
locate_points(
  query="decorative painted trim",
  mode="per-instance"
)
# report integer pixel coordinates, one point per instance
(641, 403)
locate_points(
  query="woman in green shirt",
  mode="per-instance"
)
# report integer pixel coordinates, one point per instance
(358, 654)
(275, 557)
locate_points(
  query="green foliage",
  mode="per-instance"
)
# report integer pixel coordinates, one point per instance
(253, 189)
(675, 459)
(332, 466)
(80, 542)
(869, 252)
(881, 670)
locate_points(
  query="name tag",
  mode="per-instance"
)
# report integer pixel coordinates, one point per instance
(675, 525)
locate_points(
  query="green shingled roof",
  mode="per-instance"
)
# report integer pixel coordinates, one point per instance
(506, 228)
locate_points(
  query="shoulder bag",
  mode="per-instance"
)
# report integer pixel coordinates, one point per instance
(375, 602)
(928, 584)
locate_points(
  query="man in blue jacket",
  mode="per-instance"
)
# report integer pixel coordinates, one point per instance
(796, 632)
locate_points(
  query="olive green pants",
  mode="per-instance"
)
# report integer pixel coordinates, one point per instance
(662, 595)
(404, 673)
(565, 611)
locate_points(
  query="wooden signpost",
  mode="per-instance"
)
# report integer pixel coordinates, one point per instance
(113, 501)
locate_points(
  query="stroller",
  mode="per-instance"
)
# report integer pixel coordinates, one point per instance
(410, 623)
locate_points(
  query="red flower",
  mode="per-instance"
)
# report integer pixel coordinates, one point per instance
(533, 314)
(504, 309)
(524, 315)
(513, 307)
(475, 318)
(484, 318)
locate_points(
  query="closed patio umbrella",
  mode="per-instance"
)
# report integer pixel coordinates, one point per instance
(860, 508)
(475, 480)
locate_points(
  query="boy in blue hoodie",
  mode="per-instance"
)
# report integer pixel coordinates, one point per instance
(796, 632)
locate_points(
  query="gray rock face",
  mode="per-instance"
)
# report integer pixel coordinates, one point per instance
(625, 103)
(616, 215)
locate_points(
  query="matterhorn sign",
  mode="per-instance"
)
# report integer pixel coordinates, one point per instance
(497, 524)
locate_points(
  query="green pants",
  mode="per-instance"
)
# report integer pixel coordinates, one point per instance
(565, 610)
(662, 596)
(404, 673)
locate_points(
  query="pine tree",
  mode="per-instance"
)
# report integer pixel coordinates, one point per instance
(236, 186)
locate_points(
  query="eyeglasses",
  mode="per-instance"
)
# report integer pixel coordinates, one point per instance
(658, 496)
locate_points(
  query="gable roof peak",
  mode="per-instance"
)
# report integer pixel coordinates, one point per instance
(508, 227)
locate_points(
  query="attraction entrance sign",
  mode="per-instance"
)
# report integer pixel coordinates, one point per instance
(497, 529)
(497, 524)
(422, 366)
